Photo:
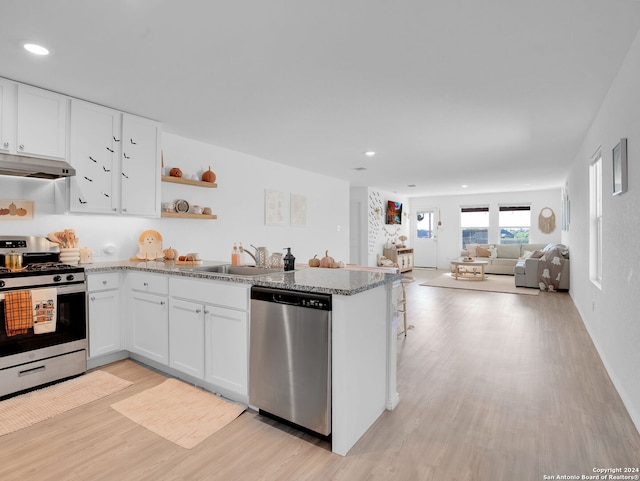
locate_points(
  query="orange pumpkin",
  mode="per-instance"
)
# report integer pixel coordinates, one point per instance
(209, 176)
(315, 262)
(170, 254)
(175, 172)
(326, 261)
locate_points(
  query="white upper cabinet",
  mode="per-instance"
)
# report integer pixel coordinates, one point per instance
(94, 152)
(8, 91)
(117, 161)
(41, 127)
(140, 166)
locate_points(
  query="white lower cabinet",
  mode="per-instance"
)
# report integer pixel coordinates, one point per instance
(105, 327)
(209, 333)
(226, 349)
(150, 326)
(186, 337)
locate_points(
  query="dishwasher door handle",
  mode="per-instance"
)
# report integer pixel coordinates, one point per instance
(278, 299)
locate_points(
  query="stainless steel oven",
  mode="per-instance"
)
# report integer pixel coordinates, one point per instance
(29, 358)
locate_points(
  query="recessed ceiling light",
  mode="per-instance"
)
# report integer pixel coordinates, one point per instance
(359, 168)
(36, 49)
(369, 153)
(464, 186)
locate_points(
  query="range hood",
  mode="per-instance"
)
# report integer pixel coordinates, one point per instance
(34, 167)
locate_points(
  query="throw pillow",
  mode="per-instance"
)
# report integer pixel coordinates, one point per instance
(526, 254)
(472, 250)
(483, 252)
(537, 254)
(493, 252)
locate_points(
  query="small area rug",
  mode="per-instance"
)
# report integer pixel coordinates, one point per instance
(183, 414)
(493, 283)
(26, 409)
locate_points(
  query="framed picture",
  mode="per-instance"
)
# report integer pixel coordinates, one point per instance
(16, 209)
(298, 214)
(274, 207)
(620, 167)
(394, 212)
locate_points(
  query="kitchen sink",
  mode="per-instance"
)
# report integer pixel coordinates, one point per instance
(248, 271)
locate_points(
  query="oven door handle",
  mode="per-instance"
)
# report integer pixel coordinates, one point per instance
(62, 290)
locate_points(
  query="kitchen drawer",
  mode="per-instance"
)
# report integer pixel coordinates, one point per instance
(102, 282)
(225, 294)
(156, 284)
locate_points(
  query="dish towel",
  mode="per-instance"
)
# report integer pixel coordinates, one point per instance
(17, 312)
(44, 310)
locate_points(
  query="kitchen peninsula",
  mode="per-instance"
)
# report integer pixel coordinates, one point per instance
(363, 337)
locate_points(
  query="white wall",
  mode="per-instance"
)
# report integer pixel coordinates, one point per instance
(610, 313)
(238, 201)
(375, 233)
(449, 233)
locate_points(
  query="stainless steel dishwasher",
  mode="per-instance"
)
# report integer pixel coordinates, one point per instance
(290, 356)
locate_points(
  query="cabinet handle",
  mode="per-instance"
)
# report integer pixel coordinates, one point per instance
(21, 147)
(124, 209)
(6, 145)
(115, 140)
(206, 312)
(162, 303)
(104, 282)
(110, 150)
(81, 201)
(145, 284)
(115, 210)
(93, 159)
(125, 175)
(90, 180)
(105, 194)
(125, 155)
(198, 311)
(93, 298)
(134, 143)
(105, 169)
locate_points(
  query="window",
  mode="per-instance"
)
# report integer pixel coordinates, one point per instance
(475, 225)
(425, 223)
(595, 224)
(515, 222)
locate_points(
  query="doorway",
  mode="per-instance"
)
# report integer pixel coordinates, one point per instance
(425, 239)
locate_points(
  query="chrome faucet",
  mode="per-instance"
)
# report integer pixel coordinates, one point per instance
(250, 254)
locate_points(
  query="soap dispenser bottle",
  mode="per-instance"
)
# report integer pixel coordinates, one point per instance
(289, 260)
(235, 256)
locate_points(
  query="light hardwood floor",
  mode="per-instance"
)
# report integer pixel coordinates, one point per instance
(493, 387)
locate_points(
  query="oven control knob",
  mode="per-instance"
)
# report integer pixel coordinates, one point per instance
(70, 277)
(57, 278)
(1, 283)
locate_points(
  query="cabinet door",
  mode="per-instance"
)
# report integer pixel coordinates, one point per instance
(140, 166)
(105, 333)
(226, 351)
(7, 116)
(41, 127)
(149, 326)
(93, 152)
(186, 337)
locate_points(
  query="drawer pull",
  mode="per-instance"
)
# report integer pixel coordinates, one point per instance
(32, 371)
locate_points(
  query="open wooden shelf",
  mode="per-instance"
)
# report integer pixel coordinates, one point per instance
(180, 180)
(188, 216)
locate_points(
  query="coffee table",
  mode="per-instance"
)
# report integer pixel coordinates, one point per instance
(468, 269)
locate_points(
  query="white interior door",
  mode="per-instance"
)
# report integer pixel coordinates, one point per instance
(425, 239)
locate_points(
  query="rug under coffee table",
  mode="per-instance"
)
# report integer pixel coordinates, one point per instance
(468, 269)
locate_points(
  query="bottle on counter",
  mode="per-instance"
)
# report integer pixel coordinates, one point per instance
(235, 256)
(289, 260)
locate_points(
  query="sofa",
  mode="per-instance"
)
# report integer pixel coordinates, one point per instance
(526, 271)
(501, 258)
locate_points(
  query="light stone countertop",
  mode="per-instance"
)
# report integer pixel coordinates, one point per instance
(344, 282)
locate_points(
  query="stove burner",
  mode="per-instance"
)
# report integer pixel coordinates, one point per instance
(48, 266)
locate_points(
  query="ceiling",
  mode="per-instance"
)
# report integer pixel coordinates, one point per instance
(495, 95)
